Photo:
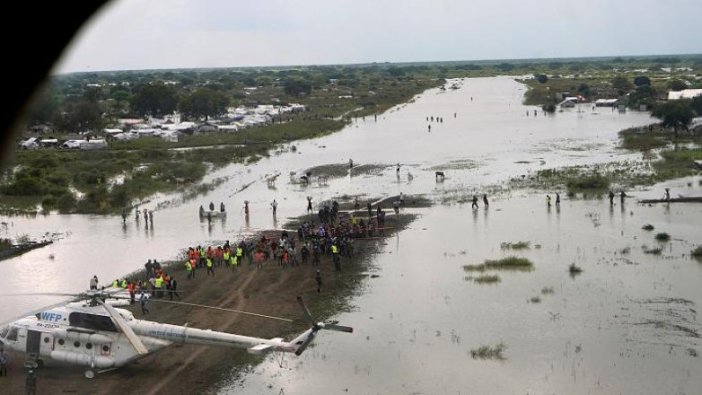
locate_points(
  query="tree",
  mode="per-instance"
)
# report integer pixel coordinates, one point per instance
(542, 78)
(584, 89)
(697, 105)
(674, 113)
(295, 87)
(621, 84)
(643, 94)
(204, 102)
(79, 116)
(641, 80)
(155, 100)
(677, 85)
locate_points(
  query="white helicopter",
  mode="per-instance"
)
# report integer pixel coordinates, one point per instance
(95, 334)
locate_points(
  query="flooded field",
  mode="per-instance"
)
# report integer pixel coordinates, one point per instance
(625, 324)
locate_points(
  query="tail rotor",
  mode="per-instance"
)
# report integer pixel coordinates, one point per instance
(316, 326)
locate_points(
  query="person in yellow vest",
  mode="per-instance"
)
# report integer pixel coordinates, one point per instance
(335, 257)
(123, 284)
(188, 269)
(239, 254)
(158, 284)
(210, 269)
(225, 256)
(234, 262)
(115, 284)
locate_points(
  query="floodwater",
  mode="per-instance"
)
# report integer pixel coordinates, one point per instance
(626, 324)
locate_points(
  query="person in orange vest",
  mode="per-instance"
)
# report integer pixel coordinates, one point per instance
(132, 291)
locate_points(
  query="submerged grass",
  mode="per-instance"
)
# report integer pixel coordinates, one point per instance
(508, 263)
(574, 270)
(487, 279)
(489, 352)
(547, 290)
(648, 227)
(520, 245)
(662, 237)
(652, 251)
(697, 252)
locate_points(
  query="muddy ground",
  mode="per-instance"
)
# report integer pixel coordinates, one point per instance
(194, 369)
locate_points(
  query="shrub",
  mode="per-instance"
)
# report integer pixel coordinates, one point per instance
(594, 181)
(648, 227)
(662, 237)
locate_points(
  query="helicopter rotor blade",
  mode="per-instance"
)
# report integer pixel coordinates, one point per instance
(204, 306)
(305, 311)
(306, 343)
(340, 328)
(125, 328)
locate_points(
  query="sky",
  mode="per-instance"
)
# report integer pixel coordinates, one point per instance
(158, 34)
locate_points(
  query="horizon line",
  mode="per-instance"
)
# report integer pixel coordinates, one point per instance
(477, 61)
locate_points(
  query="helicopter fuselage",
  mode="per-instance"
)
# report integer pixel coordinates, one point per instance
(86, 335)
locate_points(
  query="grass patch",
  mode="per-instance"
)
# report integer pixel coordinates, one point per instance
(574, 270)
(592, 182)
(648, 227)
(535, 299)
(487, 279)
(489, 352)
(547, 291)
(652, 251)
(508, 263)
(520, 245)
(662, 237)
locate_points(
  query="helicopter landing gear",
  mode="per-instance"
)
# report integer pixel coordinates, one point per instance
(89, 374)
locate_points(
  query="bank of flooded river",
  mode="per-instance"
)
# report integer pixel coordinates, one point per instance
(625, 324)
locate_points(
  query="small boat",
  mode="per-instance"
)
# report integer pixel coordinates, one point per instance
(689, 199)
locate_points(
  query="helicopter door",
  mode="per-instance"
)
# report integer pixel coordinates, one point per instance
(33, 343)
(47, 343)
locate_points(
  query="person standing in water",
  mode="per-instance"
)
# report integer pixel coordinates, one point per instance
(475, 202)
(274, 204)
(485, 200)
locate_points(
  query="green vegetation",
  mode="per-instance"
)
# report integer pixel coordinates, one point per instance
(697, 252)
(674, 114)
(652, 251)
(508, 263)
(520, 245)
(87, 102)
(648, 227)
(487, 279)
(662, 237)
(574, 270)
(593, 183)
(489, 352)
(547, 290)
(535, 299)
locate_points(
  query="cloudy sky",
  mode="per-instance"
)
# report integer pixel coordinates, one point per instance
(148, 34)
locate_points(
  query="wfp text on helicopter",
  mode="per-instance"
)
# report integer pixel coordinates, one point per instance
(94, 334)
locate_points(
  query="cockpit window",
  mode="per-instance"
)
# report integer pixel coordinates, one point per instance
(13, 334)
(92, 321)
